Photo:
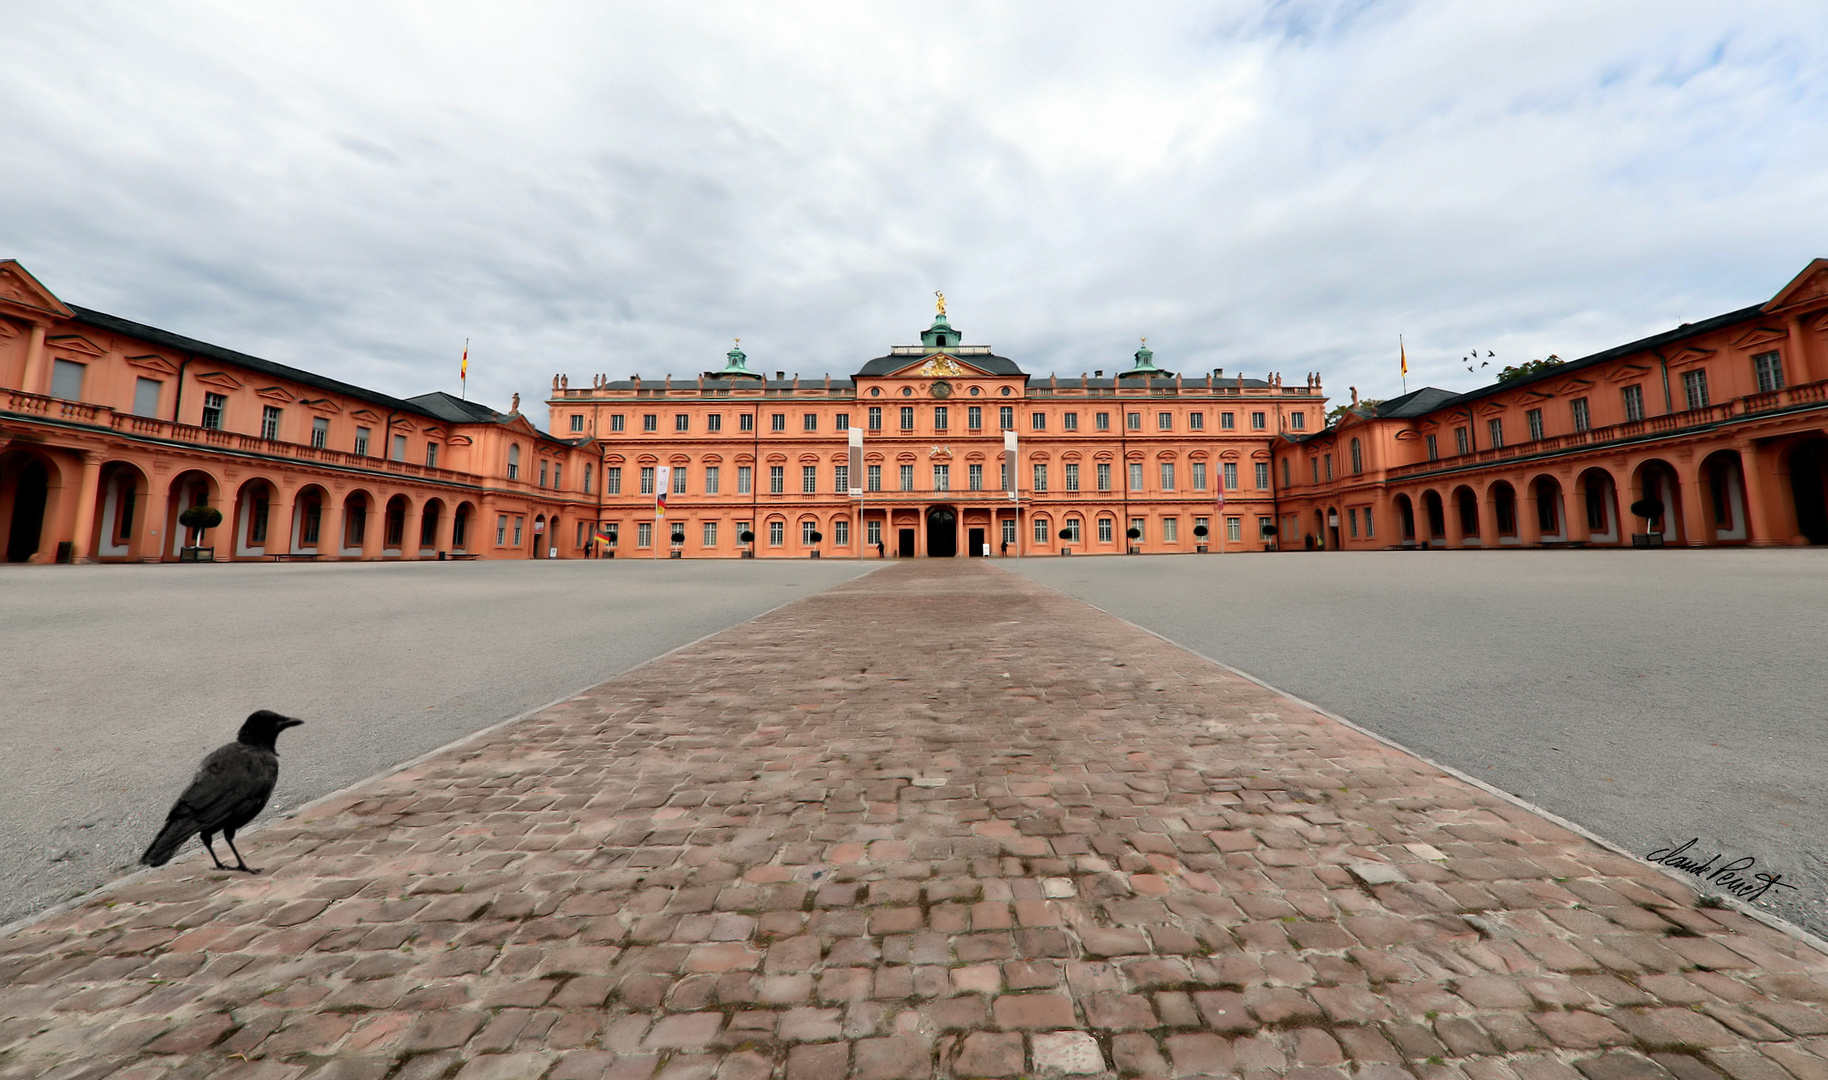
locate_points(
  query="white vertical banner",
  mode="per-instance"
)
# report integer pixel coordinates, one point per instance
(856, 484)
(663, 479)
(1011, 484)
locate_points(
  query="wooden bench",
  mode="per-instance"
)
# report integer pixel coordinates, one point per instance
(287, 556)
(454, 556)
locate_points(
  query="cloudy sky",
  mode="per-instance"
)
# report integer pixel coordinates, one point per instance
(1259, 185)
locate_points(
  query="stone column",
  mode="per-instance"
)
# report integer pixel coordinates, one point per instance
(1697, 517)
(447, 522)
(409, 535)
(1529, 520)
(35, 380)
(1488, 518)
(83, 548)
(1575, 498)
(279, 522)
(374, 528)
(1766, 524)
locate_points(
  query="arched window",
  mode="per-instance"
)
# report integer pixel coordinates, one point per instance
(514, 461)
(1358, 458)
(1041, 524)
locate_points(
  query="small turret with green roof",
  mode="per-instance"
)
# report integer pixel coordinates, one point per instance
(940, 335)
(738, 365)
(1145, 365)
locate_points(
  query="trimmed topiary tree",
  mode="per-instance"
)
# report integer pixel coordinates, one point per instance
(199, 519)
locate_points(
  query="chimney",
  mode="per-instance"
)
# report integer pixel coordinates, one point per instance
(1217, 374)
(636, 379)
(669, 382)
(1354, 397)
(780, 376)
(1099, 374)
(828, 381)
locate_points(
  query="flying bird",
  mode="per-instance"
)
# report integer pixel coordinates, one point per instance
(1488, 352)
(230, 789)
(1485, 363)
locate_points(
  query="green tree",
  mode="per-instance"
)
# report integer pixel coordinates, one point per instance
(1529, 367)
(1338, 412)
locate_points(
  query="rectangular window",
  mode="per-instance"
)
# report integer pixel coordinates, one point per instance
(520, 523)
(647, 479)
(745, 479)
(1072, 530)
(741, 528)
(907, 478)
(714, 422)
(777, 533)
(872, 532)
(942, 478)
(777, 421)
(1136, 477)
(809, 421)
(67, 379)
(1006, 417)
(941, 419)
(1494, 429)
(713, 479)
(1352, 520)
(1369, 531)
(1262, 476)
(873, 476)
(1198, 524)
(501, 531)
(745, 422)
(269, 426)
(842, 421)
(1231, 475)
(650, 422)
(710, 534)
(1434, 453)
(1314, 468)
(809, 479)
(1069, 421)
(431, 462)
(1297, 421)
(146, 396)
(1258, 421)
(1199, 476)
(1582, 420)
(1136, 526)
(1104, 476)
(1072, 475)
(974, 417)
(1104, 530)
(1040, 477)
(1228, 421)
(875, 418)
(907, 418)
(398, 446)
(1769, 368)
(1009, 531)
(1102, 421)
(682, 422)
(777, 479)
(807, 528)
(1534, 416)
(841, 479)
(612, 480)
(1171, 530)
(841, 532)
(213, 404)
(617, 422)
(582, 525)
(1037, 421)
(679, 479)
(975, 477)
(1196, 421)
(586, 475)
(1040, 525)
(1461, 443)
(1634, 402)
(558, 474)
(1285, 482)
(644, 534)
(1328, 458)
(1133, 421)
(320, 432)
(1003, 474)
(577, 424)
(1164, 421)
(1233, 528)
(1694, 388)
(1167, 477)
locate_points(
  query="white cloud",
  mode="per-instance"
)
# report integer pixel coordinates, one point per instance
(1275, 186)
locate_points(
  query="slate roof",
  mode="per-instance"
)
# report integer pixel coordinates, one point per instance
(456, 410)
(203, 349)
(888, 365)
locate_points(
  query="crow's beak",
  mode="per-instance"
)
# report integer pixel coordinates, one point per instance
(288, 722)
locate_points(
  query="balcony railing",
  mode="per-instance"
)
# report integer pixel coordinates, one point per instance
(1692, 419)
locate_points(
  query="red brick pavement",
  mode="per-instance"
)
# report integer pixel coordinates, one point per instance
(936, 822)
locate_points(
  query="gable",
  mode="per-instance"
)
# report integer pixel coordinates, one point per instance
(74, 343)
(939, 366)
(153, 363)
(274, 393)
(1809, 286)
(1759, 335)
(220, 379)
(18, 288)
(1628, 371)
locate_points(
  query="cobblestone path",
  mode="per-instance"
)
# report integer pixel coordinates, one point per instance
(935, 822)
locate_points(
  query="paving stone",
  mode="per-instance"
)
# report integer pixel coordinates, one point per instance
(990, 1054)
(1067, 1053)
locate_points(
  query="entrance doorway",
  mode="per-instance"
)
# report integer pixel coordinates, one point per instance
(904, 540)
(975, 537)
(1809, 489)
(942, 533)
(31, 487)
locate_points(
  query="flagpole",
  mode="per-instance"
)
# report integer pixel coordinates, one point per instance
(463, 373)
(1400, 352)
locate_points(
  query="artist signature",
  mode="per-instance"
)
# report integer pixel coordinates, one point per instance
(1733, 877)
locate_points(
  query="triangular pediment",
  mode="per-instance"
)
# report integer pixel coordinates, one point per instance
(1494, 408)
(220, 379)
(1627, 372)
(74, 343)
(275, 393)
(19, 289)
(322, 405)
(939, 366)
(1759, 335)
(1573, 386)
(366, 414)
(1810, 285)
(1689, 355)
(154, 363)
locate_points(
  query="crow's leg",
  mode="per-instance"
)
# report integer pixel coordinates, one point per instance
(241, 864)
(211, 848)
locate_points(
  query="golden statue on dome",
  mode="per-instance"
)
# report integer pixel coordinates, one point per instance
(942, 300)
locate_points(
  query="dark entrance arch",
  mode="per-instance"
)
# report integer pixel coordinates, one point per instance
(942, 532)
(31, 488)
(1809, 489)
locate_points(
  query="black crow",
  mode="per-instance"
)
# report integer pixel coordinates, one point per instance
(229, 790)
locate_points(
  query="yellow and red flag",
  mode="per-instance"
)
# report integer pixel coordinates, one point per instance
(1403, 354)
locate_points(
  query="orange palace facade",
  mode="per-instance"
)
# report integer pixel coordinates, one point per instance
(1723, 424)
(1094, 458)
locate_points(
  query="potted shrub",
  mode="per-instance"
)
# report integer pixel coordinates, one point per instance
(1269, 537)
(816, 536)
(1651, 510)
(198, 519)
(748, 537)
(1199, 534)
(1134, 534)
(678, 543)
(1066, 534)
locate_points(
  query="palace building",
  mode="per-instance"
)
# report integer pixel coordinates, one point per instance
(1712, 433)
(936, 450)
